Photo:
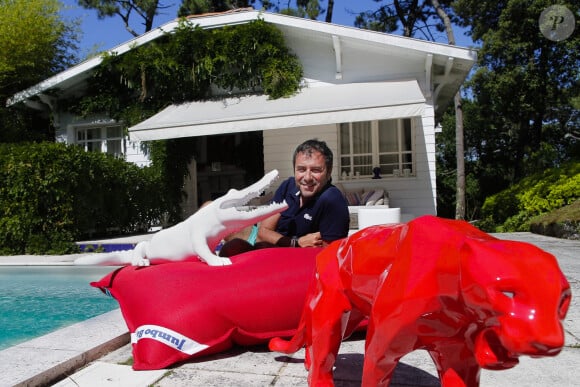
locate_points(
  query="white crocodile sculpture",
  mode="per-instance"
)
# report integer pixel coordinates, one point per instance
(200, 233)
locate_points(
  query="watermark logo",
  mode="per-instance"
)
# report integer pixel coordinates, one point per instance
(557, 23)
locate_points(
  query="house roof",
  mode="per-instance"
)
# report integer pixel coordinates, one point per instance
(445, 66)
(312, 106)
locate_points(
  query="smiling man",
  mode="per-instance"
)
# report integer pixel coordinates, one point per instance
(317, 212)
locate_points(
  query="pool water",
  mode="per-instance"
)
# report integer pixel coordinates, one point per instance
(35, 300)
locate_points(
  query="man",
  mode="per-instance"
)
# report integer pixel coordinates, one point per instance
(317, 212)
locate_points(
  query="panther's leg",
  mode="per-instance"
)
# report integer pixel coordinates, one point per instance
(330, 311)
(328, 325)
(380, 358)
(455, 363)
(390, 335)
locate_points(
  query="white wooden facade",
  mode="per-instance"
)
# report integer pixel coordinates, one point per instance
(333, 57)
(415, 195)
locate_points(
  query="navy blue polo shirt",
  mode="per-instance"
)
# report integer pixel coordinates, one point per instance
(327, 212)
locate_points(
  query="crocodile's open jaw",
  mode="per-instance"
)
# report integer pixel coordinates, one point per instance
(240, 198)
(233, 214)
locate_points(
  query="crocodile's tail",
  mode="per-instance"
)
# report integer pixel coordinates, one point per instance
(115, 258)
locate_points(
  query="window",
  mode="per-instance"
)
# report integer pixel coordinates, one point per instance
(387, 144)
(105, 138)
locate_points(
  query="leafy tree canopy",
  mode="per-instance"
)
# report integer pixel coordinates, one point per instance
(34, 42)
(521, 112)
(197, 7)
(413, 18)
(145, 9)
(525, 86)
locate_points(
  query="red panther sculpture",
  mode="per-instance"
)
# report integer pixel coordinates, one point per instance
(471, 300)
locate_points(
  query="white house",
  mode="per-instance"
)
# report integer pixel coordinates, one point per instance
(372, 97)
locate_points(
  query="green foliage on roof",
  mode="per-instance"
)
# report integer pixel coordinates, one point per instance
(188, 64)
(192, 64)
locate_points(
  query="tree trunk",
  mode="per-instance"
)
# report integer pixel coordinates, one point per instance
(459, 139)
(329, 11)
(459, 151)
(150, 15)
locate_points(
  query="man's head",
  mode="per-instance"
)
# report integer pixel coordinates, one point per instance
(312, 162)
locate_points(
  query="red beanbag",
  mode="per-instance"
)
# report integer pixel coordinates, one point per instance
(180, 310)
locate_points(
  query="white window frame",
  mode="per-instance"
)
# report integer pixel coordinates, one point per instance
(101, 142)
(403, 167)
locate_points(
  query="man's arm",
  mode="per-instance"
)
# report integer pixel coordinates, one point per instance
(267, 233)
(266, 230)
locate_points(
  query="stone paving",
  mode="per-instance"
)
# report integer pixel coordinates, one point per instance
(256, 366)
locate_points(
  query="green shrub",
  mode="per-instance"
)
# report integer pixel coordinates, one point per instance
(52, 194)
(561, 223)
(513, 208)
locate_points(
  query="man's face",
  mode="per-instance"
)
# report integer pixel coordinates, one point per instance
(310, 173)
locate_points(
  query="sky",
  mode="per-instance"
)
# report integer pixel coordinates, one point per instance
(104, 34)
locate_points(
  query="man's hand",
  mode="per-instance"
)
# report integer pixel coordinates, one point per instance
(311, 240)
(266, 233)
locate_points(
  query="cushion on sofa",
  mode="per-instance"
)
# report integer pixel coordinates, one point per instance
(362, 197)
(353, 198)
(372, 197)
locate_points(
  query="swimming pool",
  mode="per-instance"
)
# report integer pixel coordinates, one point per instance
(35, 300)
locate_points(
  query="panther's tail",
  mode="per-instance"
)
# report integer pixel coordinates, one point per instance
(297, 341)
(300, 338)
(303, 337)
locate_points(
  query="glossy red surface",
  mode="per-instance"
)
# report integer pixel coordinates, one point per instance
(471, 300)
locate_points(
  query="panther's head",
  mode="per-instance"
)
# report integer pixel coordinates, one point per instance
(518, 296)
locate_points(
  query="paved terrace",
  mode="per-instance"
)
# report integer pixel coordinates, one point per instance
(96, 352)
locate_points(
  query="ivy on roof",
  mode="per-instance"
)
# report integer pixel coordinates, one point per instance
(191, 64)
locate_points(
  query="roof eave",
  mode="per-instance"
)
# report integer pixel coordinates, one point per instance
(81, 70)
(89, 64)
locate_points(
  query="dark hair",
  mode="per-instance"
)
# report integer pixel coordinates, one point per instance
(315, 145)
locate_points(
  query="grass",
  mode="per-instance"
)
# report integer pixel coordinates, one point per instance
(561, 223)
(128, 362)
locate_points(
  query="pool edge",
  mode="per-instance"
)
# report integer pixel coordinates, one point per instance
(49, 358)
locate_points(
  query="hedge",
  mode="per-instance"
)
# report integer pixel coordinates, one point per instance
(513, 208)
(52, 194)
